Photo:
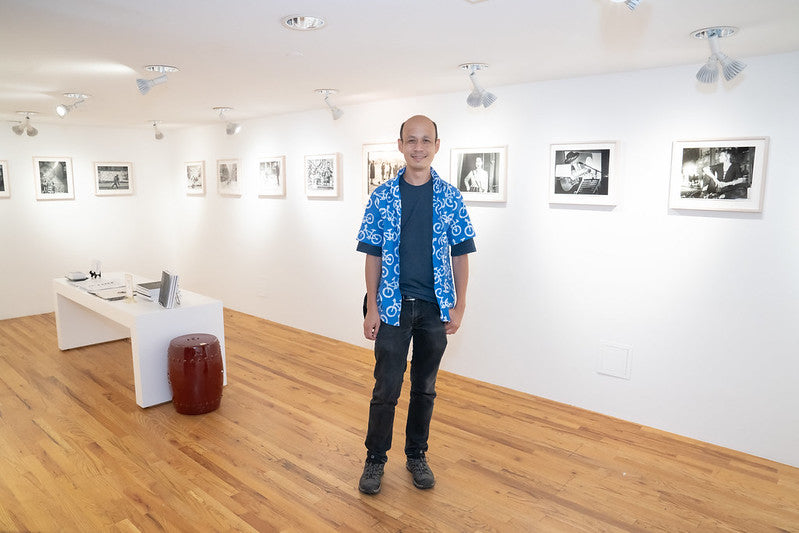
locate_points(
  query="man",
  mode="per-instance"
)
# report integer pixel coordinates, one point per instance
(477, 179)
(412, 225)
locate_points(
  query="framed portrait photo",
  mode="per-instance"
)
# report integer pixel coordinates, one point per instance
(113, 179)
(321, 176)
(5, 192)
(53, 177)
(480, 173)
(227, 177)
(272, 177)
(381, 162)
(195, 178)
(718, 175)
(583, 173)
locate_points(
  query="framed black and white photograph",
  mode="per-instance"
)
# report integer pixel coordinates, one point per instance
(321, 176)
(227, 177)
(195, 178)
(583, 173)
(479, 173)
(5, 192)
(53, 178)
(718, 175)
(113, 179)
(272, 177)
(381, 162)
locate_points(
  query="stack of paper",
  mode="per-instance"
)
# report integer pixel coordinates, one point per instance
(149, 290)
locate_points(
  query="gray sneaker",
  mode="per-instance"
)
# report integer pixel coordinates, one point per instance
(423, 477)
(370, 479)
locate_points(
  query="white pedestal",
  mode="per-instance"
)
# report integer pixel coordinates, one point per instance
(83, 319)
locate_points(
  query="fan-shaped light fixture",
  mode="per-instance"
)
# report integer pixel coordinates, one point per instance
(231, 128)
(730, 67)
(158, 133)
(479, 96)
(632, 4)
(334, 110)
(145, 85)
(62, 109)
(25, 125)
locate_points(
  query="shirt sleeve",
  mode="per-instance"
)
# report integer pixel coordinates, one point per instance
(369, 249)
(462, 248)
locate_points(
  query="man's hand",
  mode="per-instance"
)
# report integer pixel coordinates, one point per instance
(371, 323)
(455, 318)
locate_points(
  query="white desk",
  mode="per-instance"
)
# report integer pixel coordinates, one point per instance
(83, 319)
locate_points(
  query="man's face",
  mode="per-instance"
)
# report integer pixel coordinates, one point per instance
(418, 144)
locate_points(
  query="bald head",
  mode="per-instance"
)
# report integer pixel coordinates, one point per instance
(420, 119)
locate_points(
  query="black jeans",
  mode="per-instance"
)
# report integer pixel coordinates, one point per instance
(420, 321)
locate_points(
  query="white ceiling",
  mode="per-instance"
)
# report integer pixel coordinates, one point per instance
(236, 53)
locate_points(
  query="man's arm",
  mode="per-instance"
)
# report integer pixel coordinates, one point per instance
(371, 322)
(460, 271)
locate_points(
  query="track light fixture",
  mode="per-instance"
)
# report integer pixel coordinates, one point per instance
(334, 110)
(478, 96)
(632, 4)
(145, 85)
(62, 109)
(231, 128)
(25, 126)
(158, 133)
(730, 67)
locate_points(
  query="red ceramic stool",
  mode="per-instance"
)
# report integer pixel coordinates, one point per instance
(195, 373)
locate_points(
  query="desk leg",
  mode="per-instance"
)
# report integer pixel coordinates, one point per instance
(77, 325)
(150, 339)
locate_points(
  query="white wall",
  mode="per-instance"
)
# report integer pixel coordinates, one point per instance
(708, 301)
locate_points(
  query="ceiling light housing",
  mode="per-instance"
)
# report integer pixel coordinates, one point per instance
(302, 22)
(334, 110)
(63, 109)
(144, 85)
(631, 4)
(25, 126)
(479, 96)
(709, 72)
(231, 128)
(158, 133)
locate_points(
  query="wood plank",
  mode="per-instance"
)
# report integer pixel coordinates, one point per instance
(285, 449)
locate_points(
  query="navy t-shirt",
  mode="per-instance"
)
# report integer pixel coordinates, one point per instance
(416, 242)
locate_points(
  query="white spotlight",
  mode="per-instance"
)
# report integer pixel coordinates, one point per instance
(478, 96)
(231, 128)
(709, 72)
(25, 126)
(158, 133)
(63, 109)
(144, 85)
(334, 110)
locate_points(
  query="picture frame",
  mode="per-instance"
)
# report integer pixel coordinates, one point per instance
(5, 190)
(381, 162)
(272, 177)
(321, 176)
(480, 174)
(227, 177)
(194, 174)
(718, 174)
(113, 179)
(53, 177)
(584, 173)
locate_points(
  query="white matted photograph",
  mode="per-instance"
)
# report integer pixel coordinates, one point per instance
(113, 179)
(195, 178)
(718, 175)
(53, 178)
(5, 192)
(381, 162)
(321, 176)
(584, 173)
(480, 173)
(272, 176)
(227, 177)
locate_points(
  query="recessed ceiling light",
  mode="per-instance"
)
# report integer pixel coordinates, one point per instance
(163, 69)
(302, 22)
(77, 96)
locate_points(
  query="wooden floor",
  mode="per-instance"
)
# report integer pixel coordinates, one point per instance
(285, 450)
